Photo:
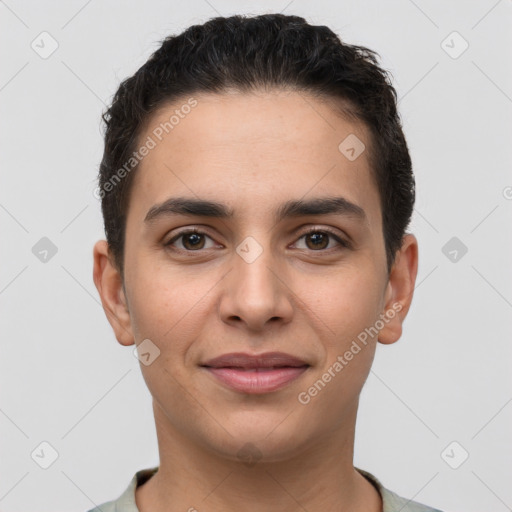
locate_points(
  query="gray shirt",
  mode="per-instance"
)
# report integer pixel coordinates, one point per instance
(391, 501)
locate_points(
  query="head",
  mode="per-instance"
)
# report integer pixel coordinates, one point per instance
(258, 129)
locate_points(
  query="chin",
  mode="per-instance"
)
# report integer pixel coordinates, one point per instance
(257, 439)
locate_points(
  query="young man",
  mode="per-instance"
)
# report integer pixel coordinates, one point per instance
(256, 188)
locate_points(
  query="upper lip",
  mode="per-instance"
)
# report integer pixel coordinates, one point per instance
(266, 360)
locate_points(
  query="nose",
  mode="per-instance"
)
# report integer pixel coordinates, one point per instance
(255, 294)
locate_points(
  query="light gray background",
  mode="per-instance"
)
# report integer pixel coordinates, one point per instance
(65, 380)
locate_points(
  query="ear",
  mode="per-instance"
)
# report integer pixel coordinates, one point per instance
(400, 289)
(109, 284)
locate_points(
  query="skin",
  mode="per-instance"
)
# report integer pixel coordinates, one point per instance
(296, 298)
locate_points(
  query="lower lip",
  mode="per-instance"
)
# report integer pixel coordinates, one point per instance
(257, 381)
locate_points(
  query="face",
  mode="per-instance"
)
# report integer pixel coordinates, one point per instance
(287, 271)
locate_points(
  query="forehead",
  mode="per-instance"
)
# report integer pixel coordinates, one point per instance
(251, 150)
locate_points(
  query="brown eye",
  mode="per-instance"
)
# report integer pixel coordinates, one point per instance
(319, 239)
(191, 240)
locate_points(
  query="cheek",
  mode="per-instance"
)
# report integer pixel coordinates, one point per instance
(164, 305)
(349, 305)
(346, 303)
(167, 309)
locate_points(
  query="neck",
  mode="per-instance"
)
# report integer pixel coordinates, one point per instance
(319, 477)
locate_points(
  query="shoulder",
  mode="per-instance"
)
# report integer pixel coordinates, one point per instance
(396, 503)
(126, 502)
(109, 506)
(392, 502)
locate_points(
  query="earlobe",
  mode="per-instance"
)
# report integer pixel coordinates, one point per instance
(109, 284)
(400, 289)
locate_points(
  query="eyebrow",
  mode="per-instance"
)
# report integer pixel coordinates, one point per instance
(293, 208)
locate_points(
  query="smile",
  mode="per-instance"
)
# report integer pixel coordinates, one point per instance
(257, 380)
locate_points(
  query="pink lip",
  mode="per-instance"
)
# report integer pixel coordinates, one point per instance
(257, 380)
(265, 360)
(253, 374)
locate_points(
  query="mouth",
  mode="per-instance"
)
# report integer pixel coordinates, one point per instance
(256, 374)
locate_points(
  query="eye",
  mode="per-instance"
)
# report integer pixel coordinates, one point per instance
(192, 240)
(318, 239)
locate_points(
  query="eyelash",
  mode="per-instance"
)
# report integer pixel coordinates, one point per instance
(343, 243)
